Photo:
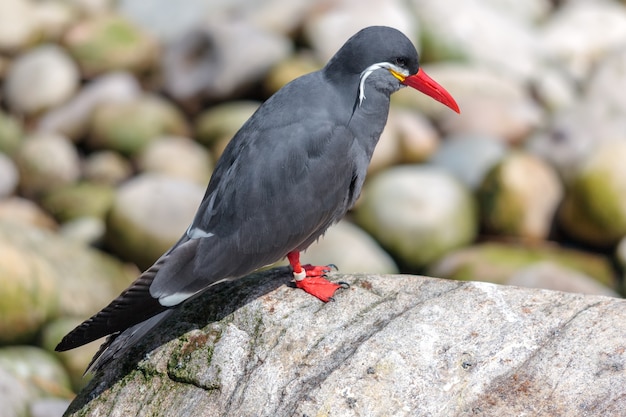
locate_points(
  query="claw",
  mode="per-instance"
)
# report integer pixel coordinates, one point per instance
(333, 266)
(344, 285)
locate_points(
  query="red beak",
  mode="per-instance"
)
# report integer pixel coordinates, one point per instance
(422, 82)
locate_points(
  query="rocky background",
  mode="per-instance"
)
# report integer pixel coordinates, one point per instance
(113, 113)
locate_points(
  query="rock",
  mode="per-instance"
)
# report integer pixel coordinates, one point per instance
(11, 133)
(106, 167)
(519, 197)
(72, 118)
(390, 345)
(207, 62)
(21, 210)
(39, 79)
(177, 157)
(110, 43)
(594, 208)
(552, 276)
(581, 32)
(469, 157)
(220, 123)
(328, 30)
(351, 250)
(149, 215)
(129, 126)
(471, 31)
(418, 213)
(498, 262)
(39, 370)
(9, 177)
(45, 162)
(79, 200)
(18, 25)
(72, 279)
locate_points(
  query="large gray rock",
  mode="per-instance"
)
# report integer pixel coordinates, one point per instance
(391, 345)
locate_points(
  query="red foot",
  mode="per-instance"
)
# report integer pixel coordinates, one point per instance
(318, 287)
(311, 279)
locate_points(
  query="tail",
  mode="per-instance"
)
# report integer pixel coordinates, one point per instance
(118, 344)
(133, 306)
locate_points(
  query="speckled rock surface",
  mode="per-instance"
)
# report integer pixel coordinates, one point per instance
(396, 345)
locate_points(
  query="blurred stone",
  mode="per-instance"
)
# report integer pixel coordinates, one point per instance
(39, 370)
(76, 360)
(331, 27)
(41, 78)
(21, 210)
(472, 31)
(86, 230)
(18, 25)
(469, 158)
(54, 18)
(45, 162)
(519, 197)
(492, 103)
(81, 280)
(14, 395)
(223, 121)
(9, 177)
(79, 200)
(418, 213)
(129, 126)
(209, 62)
(289, 69)
(580, 32)
(93, 7)
(72, 118)
(169, 21)
(594, 209)
(351, 250)
(552, 276)
(49, 407)
(108, 43)
(29, 293)
(596, 117)
(418, 139)
(149, 215)
(387, 150)
(11, 133)
(554, 90)
(498, 262)
(531, 11)
(177, 157)
(106, 167)
(408, 137)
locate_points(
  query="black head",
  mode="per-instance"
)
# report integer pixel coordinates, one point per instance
(372, 45)
(381, 48)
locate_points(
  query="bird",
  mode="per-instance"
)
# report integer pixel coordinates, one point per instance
(294, 168)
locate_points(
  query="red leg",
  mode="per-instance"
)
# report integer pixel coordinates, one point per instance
(311, 279)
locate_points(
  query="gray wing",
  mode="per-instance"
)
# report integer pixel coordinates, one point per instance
(276, 190)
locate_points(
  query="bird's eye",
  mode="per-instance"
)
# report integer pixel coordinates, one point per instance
(401, 62)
